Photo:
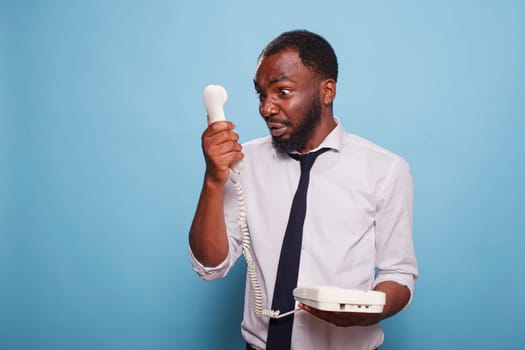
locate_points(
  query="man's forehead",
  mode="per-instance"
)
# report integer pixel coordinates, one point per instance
(274, 80)
(284, 65)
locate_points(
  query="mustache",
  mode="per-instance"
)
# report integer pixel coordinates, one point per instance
(275, 120)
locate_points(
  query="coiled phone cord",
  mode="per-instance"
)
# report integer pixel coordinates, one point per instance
(252, 269)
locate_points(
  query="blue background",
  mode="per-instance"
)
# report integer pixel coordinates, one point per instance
(101, 166)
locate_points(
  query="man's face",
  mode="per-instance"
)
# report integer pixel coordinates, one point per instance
(289, 99)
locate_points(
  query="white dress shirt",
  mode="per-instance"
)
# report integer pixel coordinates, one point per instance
(357, 232)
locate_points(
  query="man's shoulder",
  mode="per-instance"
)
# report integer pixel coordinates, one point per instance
(258, 145)
(259, 141)
(370, 149)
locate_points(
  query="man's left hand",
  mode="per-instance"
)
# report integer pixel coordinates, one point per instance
(397, 297)
(344, 319)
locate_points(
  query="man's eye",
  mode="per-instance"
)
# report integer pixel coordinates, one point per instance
(260, 94)
(285, 92)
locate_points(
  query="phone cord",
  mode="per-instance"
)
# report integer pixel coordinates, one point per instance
(252, 269)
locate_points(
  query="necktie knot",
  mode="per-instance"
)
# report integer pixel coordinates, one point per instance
(307, 160)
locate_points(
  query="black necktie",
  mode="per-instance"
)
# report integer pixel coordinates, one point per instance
(280, 330)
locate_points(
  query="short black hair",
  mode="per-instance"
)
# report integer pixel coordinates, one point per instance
(314, 50)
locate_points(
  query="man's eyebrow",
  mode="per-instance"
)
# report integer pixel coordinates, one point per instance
(275, 81)
(280, 79)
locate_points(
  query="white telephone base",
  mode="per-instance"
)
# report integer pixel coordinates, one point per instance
(341, 300)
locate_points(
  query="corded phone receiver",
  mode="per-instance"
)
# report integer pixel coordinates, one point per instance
(215, 97)
(341, 300)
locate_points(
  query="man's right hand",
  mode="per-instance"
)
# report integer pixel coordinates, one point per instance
(221, 148)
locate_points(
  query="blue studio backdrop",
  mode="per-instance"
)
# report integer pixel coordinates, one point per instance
(101, 167)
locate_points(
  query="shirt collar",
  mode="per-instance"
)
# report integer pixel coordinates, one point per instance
(334, 140)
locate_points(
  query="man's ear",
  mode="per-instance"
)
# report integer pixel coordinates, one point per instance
(328, 90)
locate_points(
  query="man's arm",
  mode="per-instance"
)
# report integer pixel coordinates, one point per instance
(397, 297)
(394, 248)
(208, 239)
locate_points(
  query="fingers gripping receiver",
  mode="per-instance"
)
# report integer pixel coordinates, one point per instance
(215, 97)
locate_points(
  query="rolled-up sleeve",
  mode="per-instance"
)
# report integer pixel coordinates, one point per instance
(209, 273)
(395, 255)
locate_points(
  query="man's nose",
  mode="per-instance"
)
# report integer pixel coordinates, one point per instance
(267, 108)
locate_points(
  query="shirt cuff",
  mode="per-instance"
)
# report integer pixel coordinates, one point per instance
(403, 279)
(209, 273)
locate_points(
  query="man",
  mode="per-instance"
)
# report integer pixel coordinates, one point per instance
(357, 230)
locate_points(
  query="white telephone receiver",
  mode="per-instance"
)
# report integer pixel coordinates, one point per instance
(323, 297)
(215, 97)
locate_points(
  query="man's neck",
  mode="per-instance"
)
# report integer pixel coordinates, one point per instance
(325, 127)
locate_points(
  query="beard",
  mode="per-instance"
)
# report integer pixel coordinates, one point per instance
(303, 130)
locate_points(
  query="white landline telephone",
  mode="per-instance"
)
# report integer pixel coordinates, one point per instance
(322, 297)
